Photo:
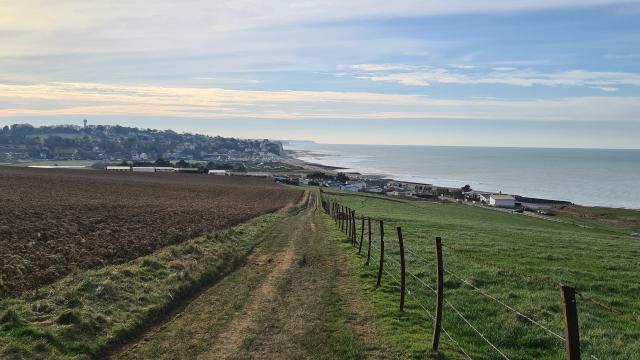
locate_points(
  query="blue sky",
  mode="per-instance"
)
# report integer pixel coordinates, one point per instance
(497, 73)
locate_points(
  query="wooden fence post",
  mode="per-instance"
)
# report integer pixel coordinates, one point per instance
(439, 296)
(355, 230)
(341, 217)
(402, 269)
(571, 332)
(361, 235)
(351, 225)
(381, 266)
(369, 234)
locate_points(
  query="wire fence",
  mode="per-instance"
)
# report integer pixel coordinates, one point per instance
(375, 246)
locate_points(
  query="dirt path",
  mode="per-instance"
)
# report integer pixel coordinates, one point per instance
(230, 340)
(293, 299)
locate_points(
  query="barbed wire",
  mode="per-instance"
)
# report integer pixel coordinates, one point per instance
(474, 329)
(458, 312)
(430, 315)
(442, 327)
(489, 296)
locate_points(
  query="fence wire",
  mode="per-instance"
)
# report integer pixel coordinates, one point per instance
(448, 303)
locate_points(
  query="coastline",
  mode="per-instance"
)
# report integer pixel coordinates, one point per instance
(302, 156)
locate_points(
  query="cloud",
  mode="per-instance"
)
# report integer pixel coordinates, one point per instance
(382, 67)
(43, 26)
(605, 81)
(94, 99)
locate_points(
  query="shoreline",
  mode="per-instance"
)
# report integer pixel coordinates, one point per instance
(529, 200)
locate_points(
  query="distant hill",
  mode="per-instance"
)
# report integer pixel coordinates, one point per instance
(104, 142)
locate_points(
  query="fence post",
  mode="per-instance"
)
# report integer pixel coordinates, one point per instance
(361, 235)
(571, 332)
(402, 269)
(351, 223)
(369, 234)
(439, 296)
(341, 217)
(354, 231)
(381, 266)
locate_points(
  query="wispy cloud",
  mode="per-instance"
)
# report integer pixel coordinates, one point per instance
(605, 81)
(89, 99)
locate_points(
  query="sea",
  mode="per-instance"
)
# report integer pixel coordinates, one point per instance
(590, 177)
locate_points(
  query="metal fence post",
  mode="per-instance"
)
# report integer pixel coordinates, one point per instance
(361, 235)
(439, 296)
(402, 269)
(381, 266)
(571, 332)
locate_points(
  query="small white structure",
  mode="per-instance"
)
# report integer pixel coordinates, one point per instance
(219, 172)
(503, 201)
(118, 168)
(145, 169)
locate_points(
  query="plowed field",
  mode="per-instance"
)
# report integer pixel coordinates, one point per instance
(55, 221)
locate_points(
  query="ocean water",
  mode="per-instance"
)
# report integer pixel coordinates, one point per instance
(593, 177)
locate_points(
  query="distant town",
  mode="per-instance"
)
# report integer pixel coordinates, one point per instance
(119, 148)
(24, 142)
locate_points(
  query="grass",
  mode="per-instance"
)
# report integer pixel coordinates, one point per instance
(520, 260)
(88, 312)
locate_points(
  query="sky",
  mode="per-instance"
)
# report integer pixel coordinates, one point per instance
(421, 72)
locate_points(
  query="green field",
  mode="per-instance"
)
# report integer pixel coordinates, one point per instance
(517, 259)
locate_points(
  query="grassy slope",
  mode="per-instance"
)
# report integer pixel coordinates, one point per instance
(88, 311)
(520, 260)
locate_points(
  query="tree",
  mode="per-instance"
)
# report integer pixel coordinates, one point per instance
(319, 176)
(183, 164)
(240, 167)
(163, 162)
(342, 177)
(466, 188)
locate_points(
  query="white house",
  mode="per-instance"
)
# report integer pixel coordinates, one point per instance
(503, 201)
(219, 172)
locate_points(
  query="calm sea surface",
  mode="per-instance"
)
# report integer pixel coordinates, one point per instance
(583, 176)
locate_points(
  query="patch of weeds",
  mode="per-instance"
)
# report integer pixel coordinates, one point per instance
(68, 318)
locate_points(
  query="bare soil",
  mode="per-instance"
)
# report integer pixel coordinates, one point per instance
(53, 222)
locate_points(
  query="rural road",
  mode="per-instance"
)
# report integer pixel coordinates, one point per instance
(292, 299)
